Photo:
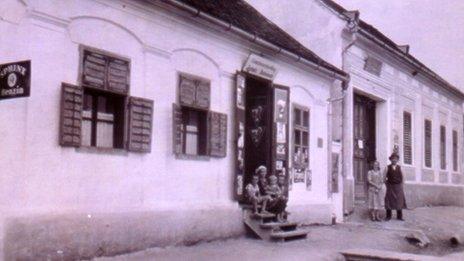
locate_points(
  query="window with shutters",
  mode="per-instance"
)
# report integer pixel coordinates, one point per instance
(197, 131)
(407, 138)
(442, 147)
(455, 150)
(99, 112)
(300, 137)
(428, 143)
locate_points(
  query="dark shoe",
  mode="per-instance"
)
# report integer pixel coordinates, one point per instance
(388, 219)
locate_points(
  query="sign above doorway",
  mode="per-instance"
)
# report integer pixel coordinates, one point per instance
(15, 80)
(260, 67)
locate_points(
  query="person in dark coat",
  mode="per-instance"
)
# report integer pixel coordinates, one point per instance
(394, 198)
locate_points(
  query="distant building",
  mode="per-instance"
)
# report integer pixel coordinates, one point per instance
(146, 119)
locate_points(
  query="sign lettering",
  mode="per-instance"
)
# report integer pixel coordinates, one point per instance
(15, 80)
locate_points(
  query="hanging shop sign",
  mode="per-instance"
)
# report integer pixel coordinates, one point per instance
(260, 67)
(15, 80)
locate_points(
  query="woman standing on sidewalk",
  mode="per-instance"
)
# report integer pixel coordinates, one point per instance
(375, 181)
(394, 198)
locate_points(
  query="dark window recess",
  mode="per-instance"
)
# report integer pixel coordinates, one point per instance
(103, 120)
(300, 137)
(407, 138)
(455, 150)
(428, 143)
(442, 147)
(105, 72)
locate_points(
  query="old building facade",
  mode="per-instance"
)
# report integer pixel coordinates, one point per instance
(393, 102)
(146, 119)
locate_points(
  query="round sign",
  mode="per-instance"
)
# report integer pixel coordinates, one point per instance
(12, 79)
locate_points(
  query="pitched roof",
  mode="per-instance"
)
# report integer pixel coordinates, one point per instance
(389, 42)
(242, 15)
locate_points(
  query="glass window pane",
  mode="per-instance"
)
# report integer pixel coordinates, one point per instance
(191, 143)
(105, 134)
(297, 115)
(297, 137)
(305, 138)
(306, 118)
(86, 132)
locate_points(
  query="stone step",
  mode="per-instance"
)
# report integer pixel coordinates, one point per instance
(287, 226)
(289, 235)
(262, 215)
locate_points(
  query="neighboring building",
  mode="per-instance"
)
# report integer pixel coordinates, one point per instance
(146, 119)
(393, 102)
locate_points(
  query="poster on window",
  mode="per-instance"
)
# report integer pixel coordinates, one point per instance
(281, 133)
(280, 150)
(299, 175)
(309, 179)
(280, 103)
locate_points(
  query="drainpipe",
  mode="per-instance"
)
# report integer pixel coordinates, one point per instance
(255, 39)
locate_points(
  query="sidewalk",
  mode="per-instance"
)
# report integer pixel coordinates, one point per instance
(326, 242)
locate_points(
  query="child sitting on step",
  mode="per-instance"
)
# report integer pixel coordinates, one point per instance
(277, 203)
(255, 197)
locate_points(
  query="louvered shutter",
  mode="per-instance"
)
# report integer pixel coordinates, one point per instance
(71, 115)
(240, 98)
(407, 139)
(194, 92)
(202, 97)
(105, 72)
(94, 69)
(187, 91)
(140, 124)
(118, 75)
(217, 133)
(455, 150)
(176, 129)
(428, 143)
(443, 147)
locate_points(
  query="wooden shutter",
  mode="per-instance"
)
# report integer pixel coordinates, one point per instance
(407, 139)
(71, 115)
(240, 99)
(105, 72)
(194, 92)
(176, 129)
(443, 147)
(140, 124)
(428, 143)
(217, 130)
(455, 150)
(118, 75)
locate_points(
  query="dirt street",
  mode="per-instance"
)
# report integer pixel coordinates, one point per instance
(325, 242)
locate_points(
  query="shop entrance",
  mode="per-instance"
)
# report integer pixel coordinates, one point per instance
(364, 143)
(261, 128)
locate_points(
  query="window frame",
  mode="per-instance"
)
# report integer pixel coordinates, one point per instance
(455, 152)
(203, 120)
(302, 129)
(106, 92)
(443, 147)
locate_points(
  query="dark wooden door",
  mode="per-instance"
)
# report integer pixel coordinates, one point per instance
(364, 143)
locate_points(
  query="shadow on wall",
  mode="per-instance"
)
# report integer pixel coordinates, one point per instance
(83, 236)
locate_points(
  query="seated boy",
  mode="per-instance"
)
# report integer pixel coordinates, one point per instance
(278, 201)
(254, 195)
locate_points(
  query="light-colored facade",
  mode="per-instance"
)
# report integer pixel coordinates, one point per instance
(396, 84)
(63, 202)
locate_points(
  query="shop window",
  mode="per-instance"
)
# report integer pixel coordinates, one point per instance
(300, 137)
(443, 147)
(407, 138)
(197, 131)
(99, 112)
(428, 143)
(455, 150)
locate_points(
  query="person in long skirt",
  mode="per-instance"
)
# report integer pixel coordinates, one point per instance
(394, 198)
(375, 181)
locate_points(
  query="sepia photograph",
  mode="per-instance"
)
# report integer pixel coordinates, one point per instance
(231, 130)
